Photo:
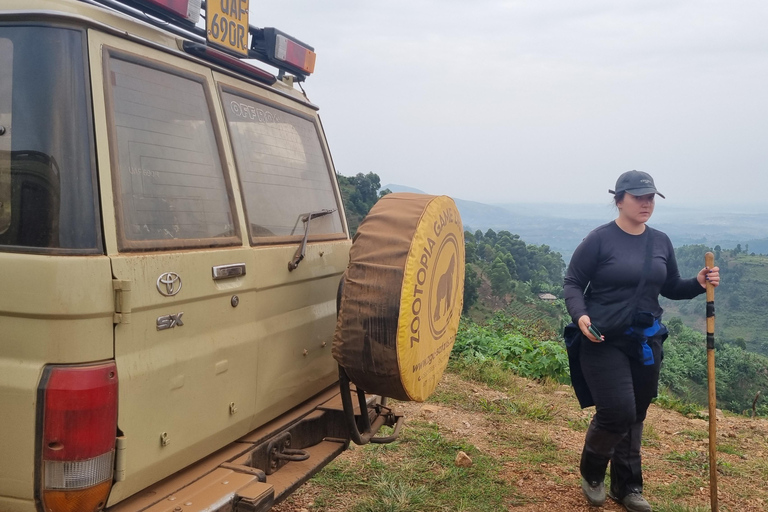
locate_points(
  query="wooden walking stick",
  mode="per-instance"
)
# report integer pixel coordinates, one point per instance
(709, 262)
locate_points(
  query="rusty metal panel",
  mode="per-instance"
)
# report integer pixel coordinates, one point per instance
(218, 491)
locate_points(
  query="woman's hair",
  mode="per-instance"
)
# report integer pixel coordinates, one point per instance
(618, 197)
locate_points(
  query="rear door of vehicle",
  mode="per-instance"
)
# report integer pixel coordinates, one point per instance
(285, 174)
(183, 341)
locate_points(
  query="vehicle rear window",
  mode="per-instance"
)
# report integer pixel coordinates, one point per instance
(47, 193)
(169, 181)
(283, 170)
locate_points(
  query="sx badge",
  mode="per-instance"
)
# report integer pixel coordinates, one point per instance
(169, 321)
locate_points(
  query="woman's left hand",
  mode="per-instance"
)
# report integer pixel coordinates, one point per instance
(711, 275)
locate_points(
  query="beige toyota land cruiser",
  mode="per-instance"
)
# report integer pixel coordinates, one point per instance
(172, 241)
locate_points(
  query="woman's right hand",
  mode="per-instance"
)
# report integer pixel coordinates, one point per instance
(584, 323)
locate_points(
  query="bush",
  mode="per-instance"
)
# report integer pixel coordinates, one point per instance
(518, 345)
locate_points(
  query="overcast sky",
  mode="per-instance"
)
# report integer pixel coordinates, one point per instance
(541, 101)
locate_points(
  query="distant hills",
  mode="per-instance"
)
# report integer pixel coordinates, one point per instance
(562, 226)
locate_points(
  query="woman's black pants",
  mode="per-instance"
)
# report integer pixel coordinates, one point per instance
(622, 388)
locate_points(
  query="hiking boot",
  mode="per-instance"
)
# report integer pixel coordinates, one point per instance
(594, 492)
(633, 502)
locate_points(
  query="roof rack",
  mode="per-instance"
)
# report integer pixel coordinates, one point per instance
(224, 39)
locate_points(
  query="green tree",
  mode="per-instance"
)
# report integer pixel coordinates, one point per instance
(359, 193)
(501, 280)
(487, 253)
(471, 287)
(470, 247)
(675, 326)
(509, 261)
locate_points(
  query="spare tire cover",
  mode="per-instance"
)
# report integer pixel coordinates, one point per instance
(402, 296)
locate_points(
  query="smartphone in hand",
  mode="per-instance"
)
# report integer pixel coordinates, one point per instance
(593, 330)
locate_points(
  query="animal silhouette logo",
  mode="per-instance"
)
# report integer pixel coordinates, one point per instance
(445, 289)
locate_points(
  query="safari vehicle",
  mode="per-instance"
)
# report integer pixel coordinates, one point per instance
(172, 241)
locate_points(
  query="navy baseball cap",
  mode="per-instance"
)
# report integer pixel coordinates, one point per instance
(637, 183)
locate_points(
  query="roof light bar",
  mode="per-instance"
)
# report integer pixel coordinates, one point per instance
(227, 28)
(282, 51)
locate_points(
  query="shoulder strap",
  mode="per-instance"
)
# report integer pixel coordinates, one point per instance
(646, 268)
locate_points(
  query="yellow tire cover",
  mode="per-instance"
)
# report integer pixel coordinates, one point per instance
(402, 296)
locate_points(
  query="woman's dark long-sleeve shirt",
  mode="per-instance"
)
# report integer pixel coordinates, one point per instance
(611, 261)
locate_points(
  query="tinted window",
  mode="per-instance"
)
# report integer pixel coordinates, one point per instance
(169, 181)
(283, 170)
(47, 196)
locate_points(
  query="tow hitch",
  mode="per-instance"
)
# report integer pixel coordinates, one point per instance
(280, 453)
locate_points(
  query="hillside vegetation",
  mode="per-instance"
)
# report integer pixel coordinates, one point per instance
(538, 353)
(740, 301)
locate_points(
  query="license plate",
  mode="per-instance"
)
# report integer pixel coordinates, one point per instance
(226, 23)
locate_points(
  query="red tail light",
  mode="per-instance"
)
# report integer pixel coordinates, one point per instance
(292, 52)
(275, 47)
(186, 9)
(79, 426)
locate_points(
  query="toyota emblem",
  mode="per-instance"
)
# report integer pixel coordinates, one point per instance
(169, 284)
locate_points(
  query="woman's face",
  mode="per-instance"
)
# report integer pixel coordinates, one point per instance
(636, 209)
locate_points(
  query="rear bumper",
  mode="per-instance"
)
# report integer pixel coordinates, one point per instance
(250, 474)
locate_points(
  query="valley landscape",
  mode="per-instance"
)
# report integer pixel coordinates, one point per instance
(562, 226)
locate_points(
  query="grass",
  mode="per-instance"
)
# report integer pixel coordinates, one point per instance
(730, 449)
(725, 468)
(540, 450)
(494, 375)
(489, 372)
(416, 473)
(522, 407)
(761, 467)
(650, 436)
(677, 490)
(695, 435)
(460, 397)
(699, 462)
(579, 424)
(667, 401)
(691, 460)
(673, 507)
(533, 409)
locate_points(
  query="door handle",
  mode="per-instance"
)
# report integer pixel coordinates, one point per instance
(228, 271)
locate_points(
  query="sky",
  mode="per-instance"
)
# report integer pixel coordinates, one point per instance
(502, 101)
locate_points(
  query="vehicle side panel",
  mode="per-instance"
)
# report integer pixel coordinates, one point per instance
(53, 309)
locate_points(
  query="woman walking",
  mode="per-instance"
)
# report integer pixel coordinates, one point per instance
(612, 290)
